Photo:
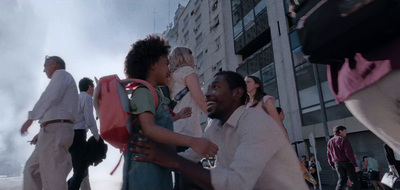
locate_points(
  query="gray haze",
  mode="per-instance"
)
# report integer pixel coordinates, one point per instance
(92, 36)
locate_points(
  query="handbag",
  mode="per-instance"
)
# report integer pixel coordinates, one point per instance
(335, 29)
(178, 98)
(391, 180)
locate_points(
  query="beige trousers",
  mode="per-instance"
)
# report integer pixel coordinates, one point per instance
(48, 166)
(377, 107)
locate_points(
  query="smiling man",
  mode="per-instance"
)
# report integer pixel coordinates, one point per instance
(253, 153)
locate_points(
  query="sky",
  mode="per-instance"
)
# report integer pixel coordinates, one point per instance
(92, 36)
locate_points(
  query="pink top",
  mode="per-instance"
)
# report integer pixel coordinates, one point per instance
(377, 64)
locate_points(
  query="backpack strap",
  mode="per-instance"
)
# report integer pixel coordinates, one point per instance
(136, 82)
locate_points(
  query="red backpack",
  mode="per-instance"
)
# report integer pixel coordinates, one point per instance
(111, 102)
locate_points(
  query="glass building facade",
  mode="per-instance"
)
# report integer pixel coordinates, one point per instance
(252, 41)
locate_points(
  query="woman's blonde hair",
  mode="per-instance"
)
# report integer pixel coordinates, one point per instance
(179, 57)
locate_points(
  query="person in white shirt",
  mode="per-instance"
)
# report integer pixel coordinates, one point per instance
(253, 153)
(48, 166)
(85, 120)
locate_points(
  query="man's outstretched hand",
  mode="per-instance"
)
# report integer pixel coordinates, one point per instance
(25, 126)
(154, 152)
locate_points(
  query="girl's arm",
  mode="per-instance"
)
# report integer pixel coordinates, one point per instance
(157, 133)
(271, 110)
(193, 83)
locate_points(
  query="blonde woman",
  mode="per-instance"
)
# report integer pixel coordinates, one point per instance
(183, 74)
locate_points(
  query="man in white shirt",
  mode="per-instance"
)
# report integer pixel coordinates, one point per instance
(48, 166)
(84, 121)
(253, 151)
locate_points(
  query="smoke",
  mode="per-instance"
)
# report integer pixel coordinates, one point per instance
(92, 36)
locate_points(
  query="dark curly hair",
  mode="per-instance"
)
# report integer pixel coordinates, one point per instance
(143, 54)
(235, 80)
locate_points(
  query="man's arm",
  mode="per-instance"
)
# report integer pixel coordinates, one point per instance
(90, 122)
(168, 158)
(349, 152)
(328, 152)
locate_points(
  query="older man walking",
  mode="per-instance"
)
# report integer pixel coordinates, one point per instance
(48, 166)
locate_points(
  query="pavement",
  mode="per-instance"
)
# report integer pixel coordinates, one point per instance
(96, 182)
(329, 187)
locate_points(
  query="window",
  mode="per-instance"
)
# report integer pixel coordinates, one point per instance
(219, 65)
(199, 60)
(215, 22)
(247, 6)
(199, 39)
(235, 4)
(199, 57)
(248, 19)
(260, 7)
(238, 29)
(242, 70)
(196, 9)
(294, 40)
(214, 5)
(185, 21)
(197, 23)
(269, 81)
(218, 43)
(254, 66)
(186, 36)
(237, 15)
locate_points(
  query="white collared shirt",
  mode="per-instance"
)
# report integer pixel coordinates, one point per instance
(253, 153)
(58, 101)
(85, 115)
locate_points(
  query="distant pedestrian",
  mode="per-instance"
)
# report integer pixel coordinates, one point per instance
(314, 167)
(341, 158)
(84, 122)
(372, 167)
(304, 161)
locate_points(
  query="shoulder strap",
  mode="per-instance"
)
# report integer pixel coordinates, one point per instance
(181, 94)
(137, 82)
